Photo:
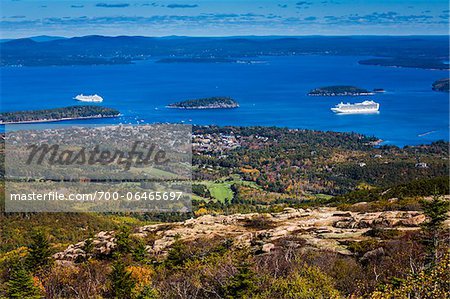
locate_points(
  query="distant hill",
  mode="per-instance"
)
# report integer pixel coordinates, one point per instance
(39, 38)
(45, 38)
(125, 49)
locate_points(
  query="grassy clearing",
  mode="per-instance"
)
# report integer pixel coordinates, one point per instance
(221, 190)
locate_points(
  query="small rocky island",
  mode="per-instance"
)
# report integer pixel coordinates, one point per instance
(442, 85)
(206, 103)
(57, 114)
(340, 90)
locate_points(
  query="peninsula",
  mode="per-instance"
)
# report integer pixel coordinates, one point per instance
(196, 60)
(207, 60)
(206, 103)
(340, 90)
(408, 62)
(57, 114)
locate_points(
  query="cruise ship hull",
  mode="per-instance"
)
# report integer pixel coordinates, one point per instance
(363, 111)
(90, 98)
(90, 101)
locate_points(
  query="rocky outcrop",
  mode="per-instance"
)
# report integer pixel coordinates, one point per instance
(103, 244)
(321, 228)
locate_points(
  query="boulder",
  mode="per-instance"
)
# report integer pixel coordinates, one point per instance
(372, 255)
(266, 248)
(348, 222)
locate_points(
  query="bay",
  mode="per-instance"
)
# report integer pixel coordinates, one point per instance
(272, 92)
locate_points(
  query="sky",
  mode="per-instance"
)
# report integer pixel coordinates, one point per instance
(24, 18)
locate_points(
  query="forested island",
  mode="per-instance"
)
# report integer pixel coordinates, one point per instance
(442, 85)
(57, 114)
(339, 90)
(206, 103)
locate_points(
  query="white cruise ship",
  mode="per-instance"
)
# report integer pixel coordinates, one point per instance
(88, 98)
(364, 107)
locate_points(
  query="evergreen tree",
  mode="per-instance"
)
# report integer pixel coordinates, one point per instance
(21, 285)
(242, 283)
(39, 251)
(177, 254)
(139, 251)
(436, 211)
(123, 241)
(121, 282)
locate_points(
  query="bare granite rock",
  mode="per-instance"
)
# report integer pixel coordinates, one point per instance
(321, 228)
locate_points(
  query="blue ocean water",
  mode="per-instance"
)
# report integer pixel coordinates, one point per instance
(272, 93)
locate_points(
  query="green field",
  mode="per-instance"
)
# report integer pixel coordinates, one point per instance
(221, 190)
